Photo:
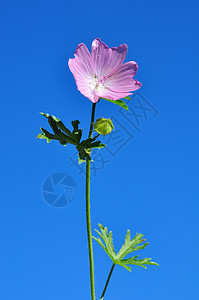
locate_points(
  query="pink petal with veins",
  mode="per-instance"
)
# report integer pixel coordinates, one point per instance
(122, 81)
(82, 69)
(102, 73)
(106, 60)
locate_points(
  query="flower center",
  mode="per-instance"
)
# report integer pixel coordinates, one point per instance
(97, 84)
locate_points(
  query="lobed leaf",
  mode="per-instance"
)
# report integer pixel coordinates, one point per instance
(65, 136)
(42, 136)
(129, 246)
(139, 262)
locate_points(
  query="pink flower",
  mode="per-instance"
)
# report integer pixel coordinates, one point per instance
(101, 73)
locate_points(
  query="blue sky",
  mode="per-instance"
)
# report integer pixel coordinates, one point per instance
(149, 185)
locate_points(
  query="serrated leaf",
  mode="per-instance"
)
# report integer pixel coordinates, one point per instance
(98, 145)
(102, 245)
(58, 126)
(65, 136)
(139, 262)
(61, 133)
(80, 160)
(47, 134)
(56, 119)
(61, 126)
(108, 240)
(45, 115)
(85, 147)
(75, 124)
(42, 136)
(82, 154)
(123, 265)
(53, 125)
(77, 133)
(129, 246)
(140, 247)
(120, 103)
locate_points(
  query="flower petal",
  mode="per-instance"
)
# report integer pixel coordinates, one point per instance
(81, 67)
(121, 83)
(122, 80)
(81, 64)
(112, 95)
(83, 85)
(106, 61)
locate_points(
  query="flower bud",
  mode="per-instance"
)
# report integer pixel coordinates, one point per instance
(103, 126)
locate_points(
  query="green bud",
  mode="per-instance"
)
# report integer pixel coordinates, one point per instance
(103, 126)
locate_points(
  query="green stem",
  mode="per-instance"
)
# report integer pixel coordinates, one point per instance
(107, 281)
(92, 120)
(88, 217)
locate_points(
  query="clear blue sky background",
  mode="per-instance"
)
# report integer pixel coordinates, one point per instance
(150, 186)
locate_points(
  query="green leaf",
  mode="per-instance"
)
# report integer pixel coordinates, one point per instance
(61, 133)
(97, 145)
(121, 103)
(77, 133)
(75, 124)
(84, 149)
(57, 126)
(45, 115)
(138, 262)
(65, 136)
(56, 119)
(127, 98)
(61, 126)
(46, 135)
(89, 144)
(53, 125)
(42, 136)
(129, 246)
(108, 240)
(81, 160)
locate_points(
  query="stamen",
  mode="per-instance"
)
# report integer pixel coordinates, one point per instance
(97, 83)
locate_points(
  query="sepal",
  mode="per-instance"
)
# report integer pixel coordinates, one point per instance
(119, 102)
